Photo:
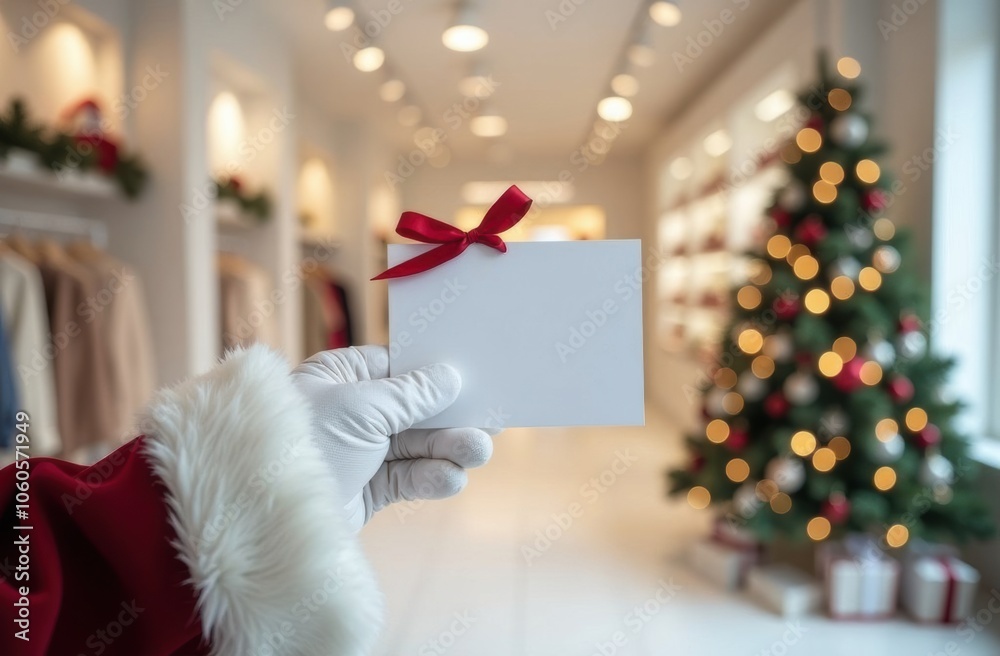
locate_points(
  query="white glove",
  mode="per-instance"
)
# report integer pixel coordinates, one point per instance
(361, 424)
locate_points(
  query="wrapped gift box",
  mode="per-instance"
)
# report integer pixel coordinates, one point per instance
(787, 591)
(937, 585)
(723, 564)
(860, 580)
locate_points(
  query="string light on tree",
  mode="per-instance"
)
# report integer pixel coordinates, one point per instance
(848, 67)
(884, 478)
(717, 431)
(699, 497)
(867, 171)
(869, 279)
(803, 443)
(809, 140)
(897, 535)
(832, 172)
(737, 470)
(818, 528)
(839, 99)
(817, 301)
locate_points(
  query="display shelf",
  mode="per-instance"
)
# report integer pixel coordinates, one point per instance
(229, 216)
(21, 174)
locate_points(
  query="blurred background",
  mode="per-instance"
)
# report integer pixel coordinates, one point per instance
(206, 174)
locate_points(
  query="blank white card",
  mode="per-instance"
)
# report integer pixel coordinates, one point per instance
(547, 334)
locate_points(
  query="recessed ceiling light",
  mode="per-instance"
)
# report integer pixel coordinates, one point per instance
(339, 16)
(614, 109)
(488, 125)
(465, 34)
(625, 85)
(665, 13)
(392, 90)
(774, 105)
(718, 143)
(369, 59)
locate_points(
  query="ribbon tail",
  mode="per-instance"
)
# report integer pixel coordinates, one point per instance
(424, 261)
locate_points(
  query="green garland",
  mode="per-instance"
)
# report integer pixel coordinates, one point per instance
(256, 205)
(57, 151)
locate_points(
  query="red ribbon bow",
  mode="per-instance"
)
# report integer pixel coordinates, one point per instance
(503, 215)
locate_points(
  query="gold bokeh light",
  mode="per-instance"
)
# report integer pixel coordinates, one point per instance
(818, 528)
(809, 140)
(803, 443)
(817, 301)
(717, 431)
(885, 478)
(842, 288)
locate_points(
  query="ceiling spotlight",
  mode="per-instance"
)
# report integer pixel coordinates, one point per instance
(718, 143)
(488, 123)
(369, 59)
(614, 109)
(392, 90)
(409, 115)
(465, 35)
(641, 52)
(665, 13)
(625, 85)
(339, 15)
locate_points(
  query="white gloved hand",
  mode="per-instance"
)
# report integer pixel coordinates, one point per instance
(361, 424)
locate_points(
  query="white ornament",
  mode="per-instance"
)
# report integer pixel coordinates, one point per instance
(713, 402)
(936, 470)
(886, 259)
(834, 422)
(801, 388)
(845, 266)
(788, 474)
(779, 347)
(860, 238)
(888, 451)
(793, 197)
(750, 387)
(911, 344)
(849, 130)
(881, 352)
(745, 501)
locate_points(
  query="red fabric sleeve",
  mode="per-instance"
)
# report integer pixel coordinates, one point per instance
(101, 574)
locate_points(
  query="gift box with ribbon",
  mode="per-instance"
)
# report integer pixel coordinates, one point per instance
(727, 555)
(938, 587)
(787, 591)
(860, 580)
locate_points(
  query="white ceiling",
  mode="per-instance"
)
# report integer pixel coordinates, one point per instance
(549, 80)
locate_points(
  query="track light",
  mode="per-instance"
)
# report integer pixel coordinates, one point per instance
(614, 109)
(369, 59)
(465, 33)
(665, 13)
(339, 15)
(489, 123)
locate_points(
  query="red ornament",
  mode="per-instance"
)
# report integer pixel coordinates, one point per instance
(874, 200)
(697, 463)
(849, 378)
(811, 231)
(786, 306)
(900, 389)
(909, 323)
(776, 405)
(927, 436)
(836, 509)
(782, 218)
(737, 440)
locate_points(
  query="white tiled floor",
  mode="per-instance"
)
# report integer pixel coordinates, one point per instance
(461, 577)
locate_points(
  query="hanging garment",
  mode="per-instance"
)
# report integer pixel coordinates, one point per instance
(22, 300)
(247, 311)
(85, 407)
(9, 404)
(130, 350)
(341, 333)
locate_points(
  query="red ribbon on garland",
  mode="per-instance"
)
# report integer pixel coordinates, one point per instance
(503, 215)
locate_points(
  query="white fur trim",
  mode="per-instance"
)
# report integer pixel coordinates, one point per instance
(276, 568)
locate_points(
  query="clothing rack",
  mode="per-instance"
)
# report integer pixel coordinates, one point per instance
(54, 224)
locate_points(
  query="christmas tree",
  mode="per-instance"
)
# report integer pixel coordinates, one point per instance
(826, 414)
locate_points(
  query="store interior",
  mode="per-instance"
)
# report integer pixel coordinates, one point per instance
(252, 158)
